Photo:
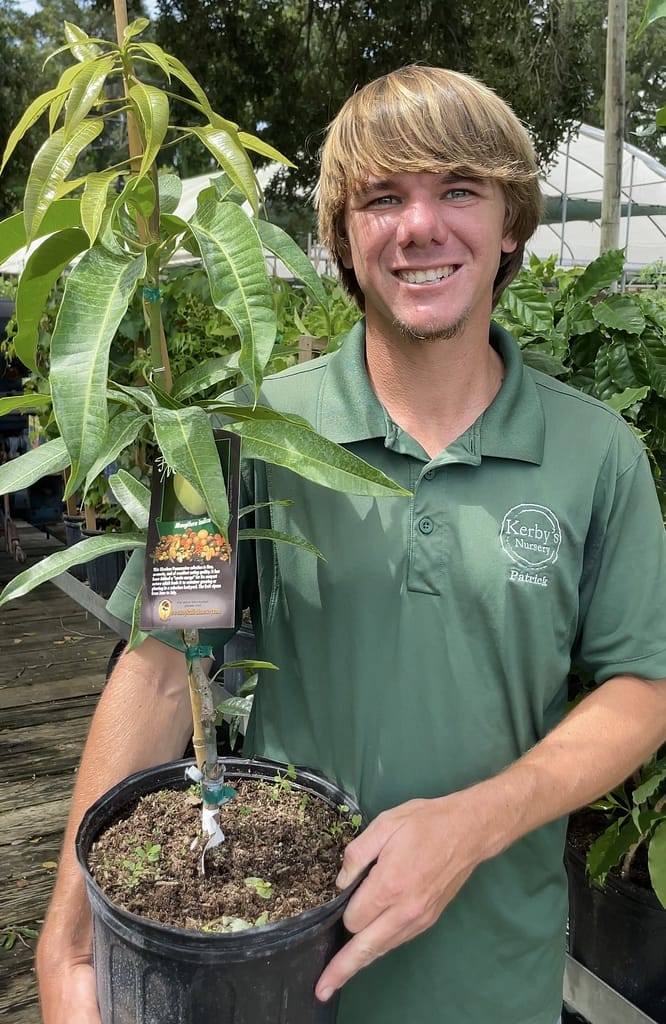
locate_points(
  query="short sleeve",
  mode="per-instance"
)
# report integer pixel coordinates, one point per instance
(622, 624)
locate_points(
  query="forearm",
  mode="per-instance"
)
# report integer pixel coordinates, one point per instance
(597, 746)
(143, 718)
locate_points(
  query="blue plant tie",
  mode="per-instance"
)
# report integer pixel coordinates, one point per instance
(198, 651)
(151, 293)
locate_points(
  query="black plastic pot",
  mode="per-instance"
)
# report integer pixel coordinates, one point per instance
(619, 933)
(73, 535)
(150, 973)
(105, 570)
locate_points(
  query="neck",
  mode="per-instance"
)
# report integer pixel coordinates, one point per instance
(434, 390)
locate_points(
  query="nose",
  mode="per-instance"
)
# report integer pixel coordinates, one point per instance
(421, 223)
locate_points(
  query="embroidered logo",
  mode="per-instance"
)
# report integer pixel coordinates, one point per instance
(531, 537)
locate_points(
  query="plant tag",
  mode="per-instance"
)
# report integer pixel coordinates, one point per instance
(190, 567)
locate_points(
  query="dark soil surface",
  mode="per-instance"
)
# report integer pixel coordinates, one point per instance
(281, 855)
(586, 825)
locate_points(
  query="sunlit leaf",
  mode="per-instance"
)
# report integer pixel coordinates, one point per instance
(285, 248)
(42, 269)
(94, 200)
(96, 297)
(54, 564)
(153, 108)
(312, 456)
(207, 373)
(124, 428)
(233, 258)
(232, 158)
(19, 403)
(31, 115)
(185, 438)
(51, 166)
(85, 91)
(277, 537)
(17, 474)
(80, 44)
(257, 145)
(133, 496)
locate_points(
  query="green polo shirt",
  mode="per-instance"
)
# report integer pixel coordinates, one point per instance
(432, 647)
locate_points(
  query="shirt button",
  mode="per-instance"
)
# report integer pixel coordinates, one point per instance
(426, 525)
(429, 474)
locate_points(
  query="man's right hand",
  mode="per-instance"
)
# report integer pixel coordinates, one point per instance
(143, 718)
(67, 991)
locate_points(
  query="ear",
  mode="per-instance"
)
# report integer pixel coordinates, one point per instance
(508, 244)
(342, 243)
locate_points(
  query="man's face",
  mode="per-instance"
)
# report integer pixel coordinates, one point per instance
(425, 249)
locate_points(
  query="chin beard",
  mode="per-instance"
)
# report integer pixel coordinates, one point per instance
(432, 332)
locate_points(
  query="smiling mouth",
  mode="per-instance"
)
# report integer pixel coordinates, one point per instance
(426, 276)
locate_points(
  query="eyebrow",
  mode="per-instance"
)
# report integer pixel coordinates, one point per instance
(384, 184)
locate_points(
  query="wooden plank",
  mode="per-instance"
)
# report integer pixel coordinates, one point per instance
(29, 793)
(18, 993)
(68, 702)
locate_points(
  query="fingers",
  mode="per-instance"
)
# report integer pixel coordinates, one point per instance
(385, 932)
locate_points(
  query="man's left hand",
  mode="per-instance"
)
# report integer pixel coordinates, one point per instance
(425, 851)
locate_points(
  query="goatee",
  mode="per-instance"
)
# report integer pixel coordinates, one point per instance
(432, 332)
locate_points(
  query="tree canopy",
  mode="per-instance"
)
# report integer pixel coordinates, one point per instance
(286, 66)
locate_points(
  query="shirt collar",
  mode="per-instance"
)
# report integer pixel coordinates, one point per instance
(512, 427)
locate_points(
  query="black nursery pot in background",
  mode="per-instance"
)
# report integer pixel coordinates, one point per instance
(619, 933)
(73, 535)
(105, 570)
(150, 973)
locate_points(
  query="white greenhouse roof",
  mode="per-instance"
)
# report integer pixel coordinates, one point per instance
(578, 174)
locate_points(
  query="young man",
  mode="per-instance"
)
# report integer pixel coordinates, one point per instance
(424, 665)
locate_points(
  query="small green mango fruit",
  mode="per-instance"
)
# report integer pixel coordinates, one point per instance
(188, 497)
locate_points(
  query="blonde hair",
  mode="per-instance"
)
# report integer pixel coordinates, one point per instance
(428, 119)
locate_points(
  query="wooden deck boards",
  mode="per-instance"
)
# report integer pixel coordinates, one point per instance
(53, 657)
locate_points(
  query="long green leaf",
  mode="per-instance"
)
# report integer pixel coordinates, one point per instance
(94, 200)
(42, 269)
(185, 437)
(51, 166)
(85, 90)
(31, 115)
(133, 496)
(285, 248)
(232, 158)
(97, 294)
(81, 45)
(153, 108)
(258, 145)
(209, 372)
(657, 862)
(135, 28)
(20, 403)
(276, 536)
(234, 260)
(312, 456)
(53, 565)
(63, 213)
(123, 430)
(654, 10)
(17, 474)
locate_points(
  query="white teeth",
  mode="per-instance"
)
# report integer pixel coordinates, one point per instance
(421, 276)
